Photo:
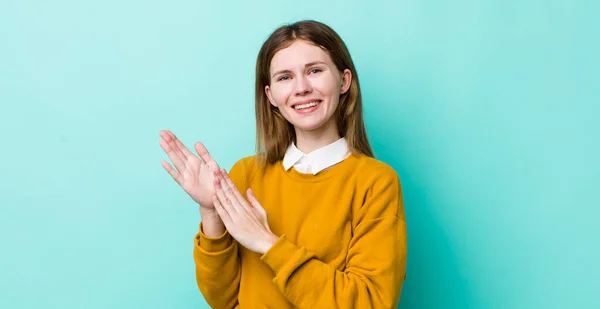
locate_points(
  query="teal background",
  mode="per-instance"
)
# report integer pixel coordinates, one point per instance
(488, 110)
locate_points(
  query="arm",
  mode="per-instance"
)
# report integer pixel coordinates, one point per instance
(376, 261)
(218, 267)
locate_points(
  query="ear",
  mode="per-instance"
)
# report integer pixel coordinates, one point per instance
(268, 93)
(346, 81)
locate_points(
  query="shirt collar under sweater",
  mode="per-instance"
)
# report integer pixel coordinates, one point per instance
(317, 160)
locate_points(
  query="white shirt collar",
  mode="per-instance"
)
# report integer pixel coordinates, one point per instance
(318, 159)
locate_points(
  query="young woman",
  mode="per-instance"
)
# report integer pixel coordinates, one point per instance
(321, 224)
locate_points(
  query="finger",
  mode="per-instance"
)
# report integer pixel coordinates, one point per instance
(237, 202)
(184, 150)
(171, 139)
(176, 176)
(240, 207)
(222, 197)
(173, 155)
(232, 200)
(257, 207)
(252, 199)
(185, 154)
(222, 212)
(203, 152)
(228, 184)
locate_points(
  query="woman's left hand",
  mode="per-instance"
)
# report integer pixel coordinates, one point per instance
(246, 222)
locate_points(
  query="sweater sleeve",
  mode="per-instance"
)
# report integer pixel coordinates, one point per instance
(376, 261)
(218, 266)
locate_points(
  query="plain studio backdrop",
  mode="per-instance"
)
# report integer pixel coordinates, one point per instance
(488, 111)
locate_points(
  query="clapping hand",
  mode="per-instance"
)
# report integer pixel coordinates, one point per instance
(246, 221)
(194, 174)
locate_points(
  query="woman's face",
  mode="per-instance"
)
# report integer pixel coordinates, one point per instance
(306, 85)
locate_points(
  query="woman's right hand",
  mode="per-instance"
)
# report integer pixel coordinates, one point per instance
(194, 175)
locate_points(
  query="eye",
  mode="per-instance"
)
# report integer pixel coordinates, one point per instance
(283, 77)
(315, 70)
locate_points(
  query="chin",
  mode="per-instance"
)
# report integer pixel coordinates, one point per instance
(308, 126)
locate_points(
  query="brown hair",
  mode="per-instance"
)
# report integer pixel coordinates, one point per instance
(273, 132)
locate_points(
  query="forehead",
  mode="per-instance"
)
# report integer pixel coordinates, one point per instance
(298, 54)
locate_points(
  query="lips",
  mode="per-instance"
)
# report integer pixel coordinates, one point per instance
(306, 104)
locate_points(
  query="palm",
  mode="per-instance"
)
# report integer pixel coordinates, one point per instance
(194, 174)
(197, 181)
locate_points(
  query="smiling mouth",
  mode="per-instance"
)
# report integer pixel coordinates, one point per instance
(306, 105)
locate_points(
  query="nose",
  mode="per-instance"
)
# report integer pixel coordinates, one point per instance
(303, 85)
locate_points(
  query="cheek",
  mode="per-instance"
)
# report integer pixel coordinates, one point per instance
(280, 93)
(328, 86)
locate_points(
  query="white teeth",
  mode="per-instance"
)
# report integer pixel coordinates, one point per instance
(307, 105)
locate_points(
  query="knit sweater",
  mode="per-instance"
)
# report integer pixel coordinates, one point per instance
(342, 240)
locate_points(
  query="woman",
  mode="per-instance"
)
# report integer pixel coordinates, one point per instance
(322, 222)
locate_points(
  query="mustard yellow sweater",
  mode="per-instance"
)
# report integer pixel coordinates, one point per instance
(342, 242)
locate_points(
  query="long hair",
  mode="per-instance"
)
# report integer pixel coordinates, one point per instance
(273, 132)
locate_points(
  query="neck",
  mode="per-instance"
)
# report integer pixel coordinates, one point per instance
(307, 141)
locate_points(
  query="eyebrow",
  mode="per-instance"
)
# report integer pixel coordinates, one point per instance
(306, 65)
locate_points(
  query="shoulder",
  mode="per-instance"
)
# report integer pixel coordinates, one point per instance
(243, 170)
(247, 163)
(381, 190)
(373, 171)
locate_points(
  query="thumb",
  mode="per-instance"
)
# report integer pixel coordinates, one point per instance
(252, 199)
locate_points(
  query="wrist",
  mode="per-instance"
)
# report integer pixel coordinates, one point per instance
(212, 226)
(209, 212)
(271, 240)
